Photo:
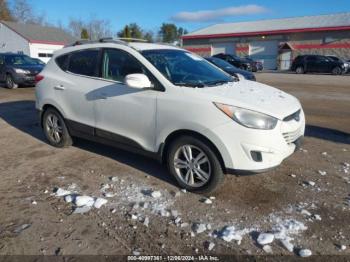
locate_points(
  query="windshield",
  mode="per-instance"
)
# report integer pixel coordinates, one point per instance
(186, 69)
(20, 60)
(221, 63)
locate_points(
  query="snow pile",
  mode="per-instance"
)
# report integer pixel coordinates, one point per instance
(229, 233)
(265, 238)
(82, 203)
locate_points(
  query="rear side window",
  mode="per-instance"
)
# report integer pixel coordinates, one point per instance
(62, 62)
(84, 62)
(117, 64)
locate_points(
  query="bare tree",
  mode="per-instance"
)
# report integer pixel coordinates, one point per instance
(96, 28)
(23, 13)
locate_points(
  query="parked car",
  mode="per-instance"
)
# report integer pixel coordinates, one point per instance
(346, 63)
(235, 61)
(230, 69)
(169, 104)
(256, 65)
(38, 61)
(18, 69)
(318, 64)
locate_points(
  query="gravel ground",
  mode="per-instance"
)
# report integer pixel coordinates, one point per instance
(304, 202)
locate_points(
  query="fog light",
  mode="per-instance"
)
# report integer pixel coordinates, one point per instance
(256, 156)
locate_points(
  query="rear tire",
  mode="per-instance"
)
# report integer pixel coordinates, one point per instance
(55, 129)
(337, 71)
(300, 70)
(10, 83)
(194, 165)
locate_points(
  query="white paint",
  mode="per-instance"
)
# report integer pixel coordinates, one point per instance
(225, 48)
(264, 52)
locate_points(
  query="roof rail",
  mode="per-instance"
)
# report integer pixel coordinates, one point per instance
(130, 39)
(101, 40)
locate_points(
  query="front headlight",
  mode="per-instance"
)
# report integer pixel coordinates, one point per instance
(248, 118)
(21, 71)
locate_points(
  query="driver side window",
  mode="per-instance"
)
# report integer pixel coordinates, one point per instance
(117, 64)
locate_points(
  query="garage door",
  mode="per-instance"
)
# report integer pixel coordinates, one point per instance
(225, 48)
(265, 52)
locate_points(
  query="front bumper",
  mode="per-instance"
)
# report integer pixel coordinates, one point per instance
(255, 150)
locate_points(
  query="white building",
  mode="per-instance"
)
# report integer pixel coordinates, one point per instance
(33, 40)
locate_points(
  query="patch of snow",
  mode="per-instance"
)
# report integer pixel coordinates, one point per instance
(305, 212)
(265, 238)
(206, 201)
(209, 245)
(156, 194)
(322, 173)
(34, 202)
(286, 243)
(68, 198)
(60, 192)
(284, 228)
(82, 210)
(84, 201)
(229, 233)
(199, 228)
(99, 202)
(305, 252)
(267, 249)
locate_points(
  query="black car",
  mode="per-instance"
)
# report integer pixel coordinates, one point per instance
(318, 64)
(235, 61)
(230, 69)
(18, 69)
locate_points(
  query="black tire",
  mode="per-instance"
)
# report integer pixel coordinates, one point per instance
(10, 83)
(216, 174)
(65, 139)
(337, 71)
(300, 70)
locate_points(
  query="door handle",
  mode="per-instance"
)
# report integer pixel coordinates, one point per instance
(59, 87)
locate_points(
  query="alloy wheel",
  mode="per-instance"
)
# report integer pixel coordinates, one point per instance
(192, 165)
(54, 128)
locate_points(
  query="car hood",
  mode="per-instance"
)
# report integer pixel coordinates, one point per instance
(34, 69)
(251, 95)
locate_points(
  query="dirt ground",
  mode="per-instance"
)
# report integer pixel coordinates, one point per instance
(33, 221)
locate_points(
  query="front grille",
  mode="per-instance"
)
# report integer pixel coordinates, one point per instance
(290, 137)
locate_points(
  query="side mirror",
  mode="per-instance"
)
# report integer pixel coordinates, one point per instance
(137, 81)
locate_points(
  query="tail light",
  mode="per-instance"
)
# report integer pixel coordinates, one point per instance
(38, 78)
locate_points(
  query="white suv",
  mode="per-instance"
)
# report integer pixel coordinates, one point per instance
(169, 104)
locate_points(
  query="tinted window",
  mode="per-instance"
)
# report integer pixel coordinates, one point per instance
(19, 60)
(62, 62)
(117, 64)
(84, 62)
(1, 60)
(311, 58)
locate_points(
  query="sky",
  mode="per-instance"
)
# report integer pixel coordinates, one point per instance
(190, 14)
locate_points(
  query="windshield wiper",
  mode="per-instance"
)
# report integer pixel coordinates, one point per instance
(189, 84)
(217, 82)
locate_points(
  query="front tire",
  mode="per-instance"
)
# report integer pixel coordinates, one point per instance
(337, 71)
(194, 165)
(55, 129)
(300, 70)
(10, 83)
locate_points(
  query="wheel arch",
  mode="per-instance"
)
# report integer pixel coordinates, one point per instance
(165, 146)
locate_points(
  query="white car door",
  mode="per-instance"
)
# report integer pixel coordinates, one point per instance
(73, 86)
(123, 114)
